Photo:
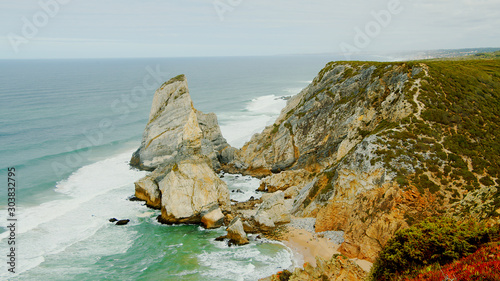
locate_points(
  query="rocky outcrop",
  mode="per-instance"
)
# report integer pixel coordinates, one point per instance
(321, 152)
(386, 145)
(175, 127)
(367, 149)
(338, 268)
(212, 216)
(321, 124)
(147, 189)
(273, 211)
(188, 187)
(182, 146)
(285, 180)
(235, 232)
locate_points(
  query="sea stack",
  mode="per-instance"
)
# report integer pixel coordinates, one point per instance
(176, 127)
(181, 145)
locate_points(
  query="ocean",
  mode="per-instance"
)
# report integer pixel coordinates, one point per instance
(69, 128)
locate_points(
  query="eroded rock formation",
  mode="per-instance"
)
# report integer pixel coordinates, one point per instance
(182, 146)
(175, 127)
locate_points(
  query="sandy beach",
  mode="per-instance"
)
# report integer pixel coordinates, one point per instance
(307, 244)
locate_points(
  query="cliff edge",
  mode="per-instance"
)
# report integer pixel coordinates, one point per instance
(376, 147)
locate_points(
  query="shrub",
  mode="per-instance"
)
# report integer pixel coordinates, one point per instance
(284, 275)
(484, 264)
(433, 241)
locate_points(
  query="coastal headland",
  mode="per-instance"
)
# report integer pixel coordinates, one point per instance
(364, 151)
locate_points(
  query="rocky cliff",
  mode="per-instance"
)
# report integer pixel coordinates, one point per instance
(369, 148)
(175, 127)
(181, 145)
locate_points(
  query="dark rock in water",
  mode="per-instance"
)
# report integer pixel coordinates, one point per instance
(251, 198)
(134, 198)
(221, 238)
(122, 222)
(239, 191)
(112, 220)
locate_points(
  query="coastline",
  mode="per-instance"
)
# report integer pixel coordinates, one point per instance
(306, 244)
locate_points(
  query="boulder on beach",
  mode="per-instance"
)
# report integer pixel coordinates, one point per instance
(212, 216)
(235, 232)
(272, 211)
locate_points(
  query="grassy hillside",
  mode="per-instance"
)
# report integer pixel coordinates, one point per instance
(451, 147)
(457, 139)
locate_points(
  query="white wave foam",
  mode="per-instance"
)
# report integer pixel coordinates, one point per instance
(94, 194)
(292, 91)
(270, 105)
(238, 127)
(249, 262)
(241, 188)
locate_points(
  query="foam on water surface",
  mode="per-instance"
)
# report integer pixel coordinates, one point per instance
(71, 237)
(238, 127)
(93, 194)
(242, 188)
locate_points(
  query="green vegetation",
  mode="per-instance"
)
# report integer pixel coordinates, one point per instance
(435, 241)
(456, 142)
(463, 101)
(284, 275)
(483, 265)
(449, 150)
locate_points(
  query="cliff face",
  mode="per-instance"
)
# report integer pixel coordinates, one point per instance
(176, 127)
(385, 145)
(367, 148)
(320, 125)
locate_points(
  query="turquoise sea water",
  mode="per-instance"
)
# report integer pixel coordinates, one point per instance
(69, 128)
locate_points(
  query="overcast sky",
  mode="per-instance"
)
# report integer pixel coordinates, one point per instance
(179, 28)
